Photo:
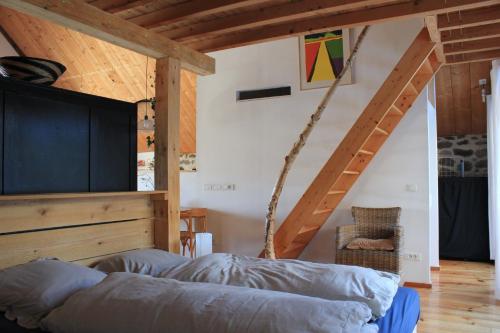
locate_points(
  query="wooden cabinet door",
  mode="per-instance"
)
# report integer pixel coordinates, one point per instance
(113, 149)
(46, 146)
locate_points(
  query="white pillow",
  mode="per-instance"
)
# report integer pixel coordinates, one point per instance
(145, 261)
(28, 292)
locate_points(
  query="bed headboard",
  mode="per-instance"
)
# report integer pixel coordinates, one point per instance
(77, 227)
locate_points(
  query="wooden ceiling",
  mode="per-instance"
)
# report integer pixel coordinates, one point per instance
(209, 25)
(470, 35)
(459, 103)
(99, 68)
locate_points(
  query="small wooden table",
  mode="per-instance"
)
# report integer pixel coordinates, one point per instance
(188, 238)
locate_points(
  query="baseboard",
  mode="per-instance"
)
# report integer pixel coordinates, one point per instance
(418, 285)
(435, 268)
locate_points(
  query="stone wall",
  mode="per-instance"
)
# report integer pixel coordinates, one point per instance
(472, 149)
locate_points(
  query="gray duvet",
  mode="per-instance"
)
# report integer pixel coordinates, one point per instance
(333, 282)
(131, 303)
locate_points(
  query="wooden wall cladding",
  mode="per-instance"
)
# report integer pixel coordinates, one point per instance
(76, 243)
(38, 214)
(99, 68)
(460, 109)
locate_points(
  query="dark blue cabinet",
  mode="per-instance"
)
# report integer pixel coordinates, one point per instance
(57, 141)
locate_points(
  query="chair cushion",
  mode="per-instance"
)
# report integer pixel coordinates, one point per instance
(371, 244)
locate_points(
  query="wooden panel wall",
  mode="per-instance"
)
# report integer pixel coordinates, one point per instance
(99, 68)
(76, 226)
(460, 109)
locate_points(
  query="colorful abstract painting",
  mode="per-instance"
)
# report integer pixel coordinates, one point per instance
(322, 58)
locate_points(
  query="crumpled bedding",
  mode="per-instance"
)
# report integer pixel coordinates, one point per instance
(131, 303)
(329, 281)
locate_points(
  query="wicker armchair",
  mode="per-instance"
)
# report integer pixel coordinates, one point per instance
(372, 223)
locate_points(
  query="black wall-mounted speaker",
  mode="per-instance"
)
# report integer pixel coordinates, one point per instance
(245, 95)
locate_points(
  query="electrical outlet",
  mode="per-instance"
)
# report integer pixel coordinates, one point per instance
(413, 256)
(219, 187)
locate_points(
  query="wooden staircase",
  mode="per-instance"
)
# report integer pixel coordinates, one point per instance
(389, 105)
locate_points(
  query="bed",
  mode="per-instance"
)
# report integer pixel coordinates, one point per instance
(401, 318)
(404, 313)
(106, 224)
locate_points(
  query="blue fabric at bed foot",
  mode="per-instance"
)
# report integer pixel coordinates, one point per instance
(403, 314)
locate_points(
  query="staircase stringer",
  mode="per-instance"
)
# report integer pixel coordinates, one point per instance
(399, 80)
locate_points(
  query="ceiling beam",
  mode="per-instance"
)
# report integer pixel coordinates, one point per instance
(431, 23)
(469, 18)
(119, 6)
(472, 33)
(472, 46)
(472, 57)
(186, 10)
(80, 16)
(266, 15)
(336, 21)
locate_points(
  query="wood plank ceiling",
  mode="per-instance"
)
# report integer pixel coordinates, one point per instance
(219, 24)
(99, 68)
(468, 38)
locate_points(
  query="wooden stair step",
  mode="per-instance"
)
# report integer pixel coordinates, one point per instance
(322, 211)
(397, 110)
(427, 67)
(336, 192)
(411, 87)
(380, 130)
(308, 228)
(294, 246)
(365, 152)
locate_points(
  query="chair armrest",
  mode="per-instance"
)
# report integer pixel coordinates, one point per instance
(345, 234)
(398, 238)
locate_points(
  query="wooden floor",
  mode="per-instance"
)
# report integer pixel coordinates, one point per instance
(461, 300)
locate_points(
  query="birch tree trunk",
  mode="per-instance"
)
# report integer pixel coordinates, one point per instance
(297, 147)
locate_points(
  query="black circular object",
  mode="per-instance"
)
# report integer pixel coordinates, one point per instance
(35, 70)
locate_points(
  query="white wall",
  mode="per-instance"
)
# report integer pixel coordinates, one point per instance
(433, 177)
(5, 48)
(244, 144)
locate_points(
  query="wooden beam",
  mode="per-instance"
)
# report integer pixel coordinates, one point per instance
(190, 9)
(119, 6)
(472, 46)
(431, 23)
(469, 18)
(167, 169)
(472, 57)
(264, 16)
(472, 33)
(367, 16)
(80, 16)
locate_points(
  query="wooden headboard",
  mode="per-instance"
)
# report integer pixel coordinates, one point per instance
(77, 227)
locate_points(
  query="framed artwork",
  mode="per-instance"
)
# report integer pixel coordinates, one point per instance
(322, 57)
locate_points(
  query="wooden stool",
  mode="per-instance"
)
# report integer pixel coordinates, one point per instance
(188, 237)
